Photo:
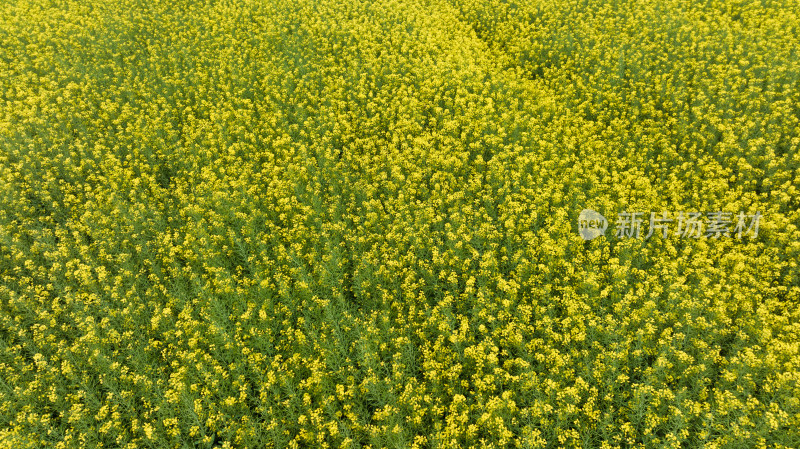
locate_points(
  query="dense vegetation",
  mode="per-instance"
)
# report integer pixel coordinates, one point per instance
(331, 223)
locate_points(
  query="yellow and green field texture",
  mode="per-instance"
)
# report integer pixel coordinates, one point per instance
(355, 224)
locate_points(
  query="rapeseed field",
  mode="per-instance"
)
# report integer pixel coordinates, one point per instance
(399, 224)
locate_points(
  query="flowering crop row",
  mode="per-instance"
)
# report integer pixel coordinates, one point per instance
(344, 224)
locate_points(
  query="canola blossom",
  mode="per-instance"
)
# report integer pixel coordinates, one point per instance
(399, 224)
